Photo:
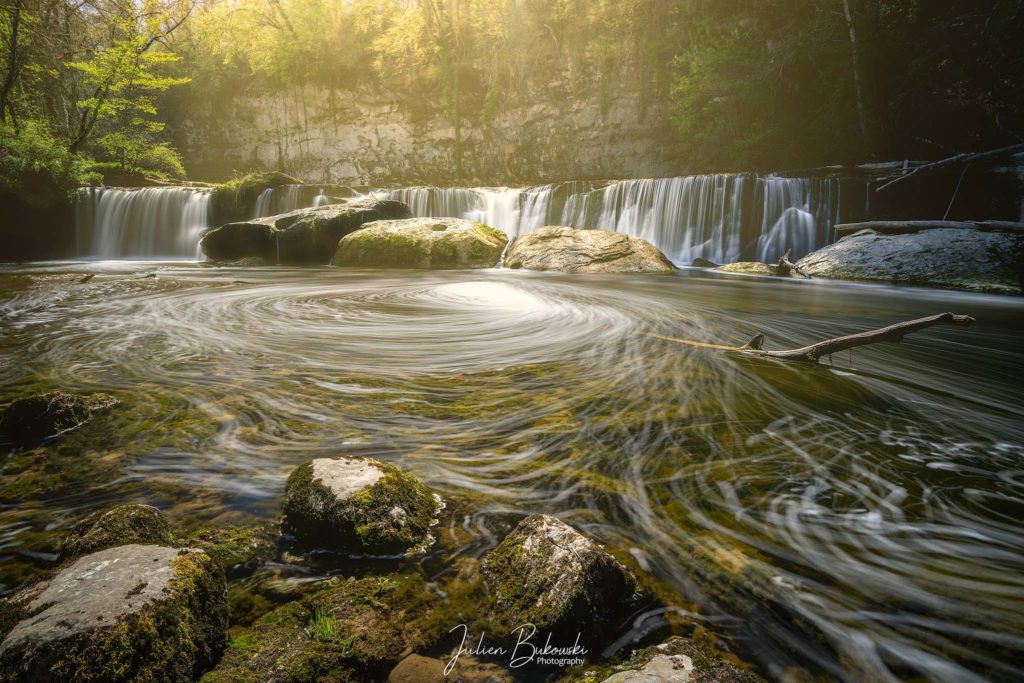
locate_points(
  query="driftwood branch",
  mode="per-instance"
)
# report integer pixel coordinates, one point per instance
(785, 266)
(812, 353)
(893, 333)
(963, 158)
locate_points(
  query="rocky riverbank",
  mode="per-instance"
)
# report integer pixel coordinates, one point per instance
(131, 598)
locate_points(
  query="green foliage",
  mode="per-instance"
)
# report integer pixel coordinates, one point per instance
(137, 153)
(322, 626)
(37, 167)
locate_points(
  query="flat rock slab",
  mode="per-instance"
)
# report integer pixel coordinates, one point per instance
(548, 574)
(422, 243)
(138, 610)
(358, 505)
(571, 250)
(973, 260)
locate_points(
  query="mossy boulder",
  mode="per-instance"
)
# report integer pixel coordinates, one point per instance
(234, 200)
(572, 250)
(358, 505)
(749, 268)
(131, 613)
(349, 630)
(239, 549)
(548, 574)
(30, 421)
(677, 660)
(422, 243)
(122, 525)
(305, 236)
(973, 260)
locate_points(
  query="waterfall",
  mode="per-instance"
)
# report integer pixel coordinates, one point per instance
(722, 217)
(146, 222)
(282, 199)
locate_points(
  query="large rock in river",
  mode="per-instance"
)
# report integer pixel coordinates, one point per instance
(974, 260)
(359, 505)
(572, 250)
(306, 236)
(423, 243)
(547, 574)
(30, 421)
(131, 613)
(121, 525)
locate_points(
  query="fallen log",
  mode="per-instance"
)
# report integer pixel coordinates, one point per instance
(812, 353)
(963, 158)
(786, 266)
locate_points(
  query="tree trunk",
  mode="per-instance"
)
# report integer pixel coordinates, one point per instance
(11, 74)
(858, 80)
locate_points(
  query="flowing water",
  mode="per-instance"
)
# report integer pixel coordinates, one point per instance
(723, 218)
(861, 519)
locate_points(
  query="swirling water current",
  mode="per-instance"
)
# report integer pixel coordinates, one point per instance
(860, 519)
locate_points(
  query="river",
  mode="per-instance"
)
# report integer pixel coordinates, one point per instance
(861, 518)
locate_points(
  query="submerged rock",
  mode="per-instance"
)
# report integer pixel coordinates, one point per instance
(131, 613)
(974, 260)
(238, 549)
(423, 243)
(306, 236)
(122, 525)
(30, 421)
(350, 630)
(467, 669)
(750, 268)
(677, 660)
(572, 250)
(548, 574)
(358, 505)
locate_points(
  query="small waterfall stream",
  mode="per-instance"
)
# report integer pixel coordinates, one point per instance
(145, 222)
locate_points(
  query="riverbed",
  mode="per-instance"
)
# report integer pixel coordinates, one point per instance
(860, 519)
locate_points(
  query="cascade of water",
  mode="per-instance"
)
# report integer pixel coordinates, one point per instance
(321, 199)
(146, 222)
(282, 199)
(718, 217)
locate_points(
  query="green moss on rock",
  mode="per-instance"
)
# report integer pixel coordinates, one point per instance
(422, 243)
(32, 420)
(350, 630)
(392, 512)
(238, 549)
(89, 625)
(547, 574)
(122, 525)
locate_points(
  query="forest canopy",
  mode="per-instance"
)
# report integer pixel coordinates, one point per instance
(748, 85)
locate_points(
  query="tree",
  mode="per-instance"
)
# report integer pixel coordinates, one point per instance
(123, 77)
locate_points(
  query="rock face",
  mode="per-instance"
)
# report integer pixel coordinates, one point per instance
(423, 243)
(974, 260)
(30, 421)
(359, 505)
(677, 660)
(306, 236)
(132, 613)
(548, 574)
(122, 525)
(585, 251)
